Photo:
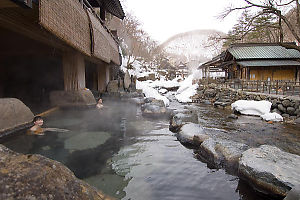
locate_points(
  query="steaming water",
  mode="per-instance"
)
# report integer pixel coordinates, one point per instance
(131, 157)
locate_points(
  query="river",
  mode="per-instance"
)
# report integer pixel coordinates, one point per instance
(128, 156)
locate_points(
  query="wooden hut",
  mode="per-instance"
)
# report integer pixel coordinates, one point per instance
(212, 66)
(260, 61)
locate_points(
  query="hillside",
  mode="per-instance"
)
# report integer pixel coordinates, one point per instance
(193, 46)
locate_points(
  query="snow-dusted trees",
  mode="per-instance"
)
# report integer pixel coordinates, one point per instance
(136, 43)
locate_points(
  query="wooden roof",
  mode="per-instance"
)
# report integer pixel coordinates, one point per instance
(252, 51)
(112, 6)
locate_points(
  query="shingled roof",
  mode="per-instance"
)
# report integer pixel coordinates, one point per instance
(262, 51)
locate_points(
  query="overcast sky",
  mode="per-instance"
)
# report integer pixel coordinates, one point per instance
(165, 18)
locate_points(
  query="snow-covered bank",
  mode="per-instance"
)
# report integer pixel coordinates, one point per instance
(151, 92)
(187, 89)
(275, 117)
(256, 108)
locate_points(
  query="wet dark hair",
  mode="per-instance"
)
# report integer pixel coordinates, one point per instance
(36, 118)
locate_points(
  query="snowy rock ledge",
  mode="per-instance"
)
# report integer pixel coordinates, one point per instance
(275, 117)
(189, 131)
(256, 108)
(270, 170)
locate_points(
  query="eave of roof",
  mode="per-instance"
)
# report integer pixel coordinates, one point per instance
(112, 6)
(268, 63)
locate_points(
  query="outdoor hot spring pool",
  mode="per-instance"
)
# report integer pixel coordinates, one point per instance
(128, 156)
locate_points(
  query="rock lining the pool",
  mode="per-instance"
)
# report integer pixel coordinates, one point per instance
(37, 177)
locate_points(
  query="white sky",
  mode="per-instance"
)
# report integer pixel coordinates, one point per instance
(164, 18)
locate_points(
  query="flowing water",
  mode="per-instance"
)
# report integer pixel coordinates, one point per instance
(128, 156)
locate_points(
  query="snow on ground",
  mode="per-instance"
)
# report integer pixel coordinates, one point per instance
(272, 117)
(163, 91)
(185, 95)
(186, 90)
(151, 92)
(165, 84)
(257, 108)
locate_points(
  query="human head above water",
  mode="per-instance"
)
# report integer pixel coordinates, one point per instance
(38, 120)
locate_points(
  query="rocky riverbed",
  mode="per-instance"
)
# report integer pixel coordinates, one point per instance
(245, 146)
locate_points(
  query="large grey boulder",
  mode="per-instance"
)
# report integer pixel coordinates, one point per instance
(290, 110)
(297, 121)
(270, 170)
(113, 86)
(222, 153)
(210, 93)
(37, 177)
(154, 108)
(79, 98)
(179, 119)
(286, 103)
(281, 108)
(14, 115)
(149, 108)
(189, 131)
(154, 101)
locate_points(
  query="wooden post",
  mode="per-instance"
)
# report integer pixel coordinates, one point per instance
(242, 85)
(277, 87)
(270, 88)
(257, 86)
(74, 71)
(293, 89)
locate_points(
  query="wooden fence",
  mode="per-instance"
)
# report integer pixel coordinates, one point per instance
(270, 87)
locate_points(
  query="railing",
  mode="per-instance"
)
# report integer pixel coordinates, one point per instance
(271, 87)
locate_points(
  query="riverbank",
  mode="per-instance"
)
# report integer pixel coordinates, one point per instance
(287, 106)
(224, 143)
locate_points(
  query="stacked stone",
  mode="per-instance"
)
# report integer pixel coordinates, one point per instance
(287, 106)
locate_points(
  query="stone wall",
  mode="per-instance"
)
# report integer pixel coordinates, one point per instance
(287, 106)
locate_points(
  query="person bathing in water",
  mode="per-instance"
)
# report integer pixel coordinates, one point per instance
(37, 129)
(99, 104)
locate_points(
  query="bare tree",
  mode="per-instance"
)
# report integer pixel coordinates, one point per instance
(278, 8)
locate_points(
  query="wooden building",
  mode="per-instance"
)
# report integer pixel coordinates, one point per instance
(260, 61)
(56, 45)
(212, 66)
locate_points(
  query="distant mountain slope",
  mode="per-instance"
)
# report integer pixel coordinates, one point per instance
(193, 46)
